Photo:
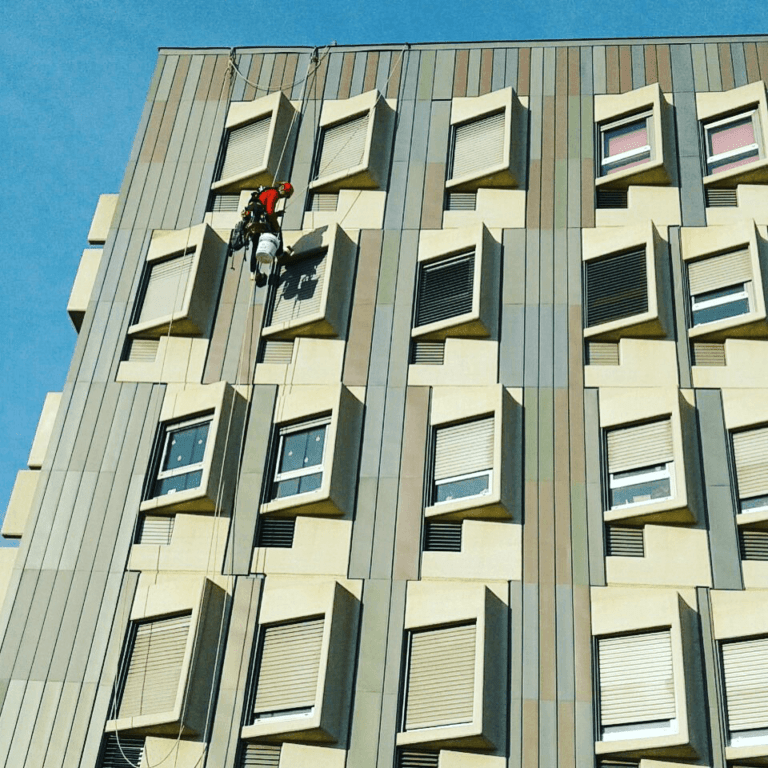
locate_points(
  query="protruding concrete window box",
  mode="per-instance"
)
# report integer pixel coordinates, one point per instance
(303, 667)
(355, 143)
(179, 284)
(193, 451)
(257, 144)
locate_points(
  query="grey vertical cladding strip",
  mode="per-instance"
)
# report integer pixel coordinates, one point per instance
(531, 320)
(417, 166)
(638, 67)
(512, 341)
(680, 303)
(510, 75)
(426, 76)
(358, 74)
(242, 533)
(598, 69)
(239, 339)
(714, 694)
(230, 703)
(473, 72)
(594, 480)
(682, 68)
(335, 61)
(713, 67)
(699, 59)
(499, 68)
(443, 85)
(739, 65)
(398, 180)
(721, 510)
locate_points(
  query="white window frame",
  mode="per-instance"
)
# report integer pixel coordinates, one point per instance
(303, 426)
(607, 163)
(745, 293)
(169, 430)
(732, 154)
(481, 473)
(639, 476)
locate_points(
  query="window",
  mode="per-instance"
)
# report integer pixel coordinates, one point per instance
(732, 141)
(625, 143)
(342, 146)
(445, 288)
(246, 147)
(745, 675)
(640, 465)
(440, 677)
(636, 686)
(720, 286)
(750, 457)
(477, 145)
(300, 456)
(165, 287)
(151, 670)
(616, 287)
(288, 668)
(182, 456)
(463, 460)
(299, 290)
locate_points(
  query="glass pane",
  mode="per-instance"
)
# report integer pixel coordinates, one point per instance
(652, 490)
(750, 505)
(720, 312)
(302, 449)
(461, 489)
(297, 485)
(719, 293)
(725, 138)
(186, 446)
(178, 483)
(625, 138)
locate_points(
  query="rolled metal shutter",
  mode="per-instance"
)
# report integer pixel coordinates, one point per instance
(260, 755)
(289, 667)
(750, 454)
(640, 446)
(478, 144)
(445, 288)
(154, 671)
(616, 287)
(636, 678)
(753, 544)
(745, 669)
(156, 529)
(246, 147)
(441, 677)
(166, 286)
(300, 290)
(603, 353)
(343, 146)
(143, 350)
(708, 353)
(719, 271)
(120, 751)
(464, 448)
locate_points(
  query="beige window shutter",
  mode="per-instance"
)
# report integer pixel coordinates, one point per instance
(745, 669)
(461, 449)
(154, 670)
(446, 288)
(441, 677)
(300, 291)
(343, 146)
(719, 271)
(289, 667)
(636, 678)
(478, 144)
(643, 445)
(260, 755)
(750, 454)
(246, 147)
(166, 286)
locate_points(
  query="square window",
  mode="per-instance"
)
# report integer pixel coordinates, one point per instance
(750, 458)
(342, 146)
(300, 455)
(720, 286)
(245, 148)
(626, 143)
(445, 288)
(477, 145)
(640, 464)
(616, 287)
(732, 141)
(182, 456)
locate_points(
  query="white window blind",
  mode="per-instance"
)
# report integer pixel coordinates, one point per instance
(720, 271)
(260, 756)
(154, 670)
(156, 529)
(745, 669)
(246, 147)
(441, 677)
(343, 146)
(750, 453)
(289, 667)
(166, 286)
(300, 290)
(636, 678)
(643, 445)
(478, 145)
(461, 449)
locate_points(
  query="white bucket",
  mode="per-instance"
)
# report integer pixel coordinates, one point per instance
(267, 248)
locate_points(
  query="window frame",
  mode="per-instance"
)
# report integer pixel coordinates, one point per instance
(168, 429)
(751, 112)
(288, 429)
(641, 475)
(745, 294)
(480, 473)
(648, 115)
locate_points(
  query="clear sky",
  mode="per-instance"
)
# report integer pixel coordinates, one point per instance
(73, 78)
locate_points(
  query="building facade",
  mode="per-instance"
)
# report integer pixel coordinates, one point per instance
(476, 481)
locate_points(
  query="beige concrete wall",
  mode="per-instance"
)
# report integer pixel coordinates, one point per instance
(102, 219)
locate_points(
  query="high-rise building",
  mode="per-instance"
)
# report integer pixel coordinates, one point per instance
(478, 480)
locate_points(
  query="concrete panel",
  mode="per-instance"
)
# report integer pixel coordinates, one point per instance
(681, 327)
(739, 65)
(593, 452)
(46, 716)
(9, 717)
(444, 64)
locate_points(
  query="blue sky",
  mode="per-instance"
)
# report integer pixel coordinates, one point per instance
(73, 78)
